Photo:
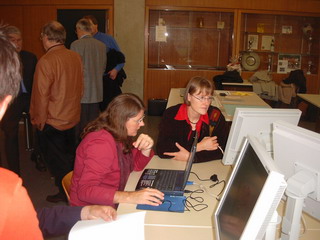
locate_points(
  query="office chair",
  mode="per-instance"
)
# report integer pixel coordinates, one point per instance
(66, 183)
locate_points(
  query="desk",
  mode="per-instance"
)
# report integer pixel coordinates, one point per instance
(188, 225)
(193, 225)
(245, 86)
(235, 99)
(313, 99)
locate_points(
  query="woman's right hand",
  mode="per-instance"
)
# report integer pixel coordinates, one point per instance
(148, 196)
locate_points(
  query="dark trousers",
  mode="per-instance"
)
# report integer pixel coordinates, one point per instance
(111, 89)
(89, 112)
(58, 148)
(10, 127)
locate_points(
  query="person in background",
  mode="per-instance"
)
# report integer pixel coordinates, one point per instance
(20, 105)
(114, 74)
(94, 60)
(108, 153)
(55, 103)
(179, 124)
(18, 219)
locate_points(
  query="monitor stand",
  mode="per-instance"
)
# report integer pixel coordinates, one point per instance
(299, 187)
(272, 227)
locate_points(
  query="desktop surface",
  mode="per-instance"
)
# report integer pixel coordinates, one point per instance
(193, 225)
(190, 224)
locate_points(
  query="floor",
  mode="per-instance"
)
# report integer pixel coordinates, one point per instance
(41, 184)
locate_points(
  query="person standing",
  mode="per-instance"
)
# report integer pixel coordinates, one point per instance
(114, 74)
(94, 61)
(55, 103)
(10, 122)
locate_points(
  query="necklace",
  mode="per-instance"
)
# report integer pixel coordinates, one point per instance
(194, 122)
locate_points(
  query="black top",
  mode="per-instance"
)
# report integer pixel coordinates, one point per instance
(172, 131)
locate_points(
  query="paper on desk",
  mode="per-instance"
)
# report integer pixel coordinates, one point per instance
(127, 226)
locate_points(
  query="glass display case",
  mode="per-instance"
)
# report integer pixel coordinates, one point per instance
(182, 39)
(279, 43)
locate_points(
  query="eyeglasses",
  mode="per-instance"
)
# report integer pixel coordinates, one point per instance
(202, 98)
(140, 120)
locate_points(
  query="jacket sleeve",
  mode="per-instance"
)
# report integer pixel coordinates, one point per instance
(57, 220)
(170, 132)
(41, 93)
(140, 161)
(101, 163)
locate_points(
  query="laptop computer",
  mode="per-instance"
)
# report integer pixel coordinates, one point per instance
(170, 182)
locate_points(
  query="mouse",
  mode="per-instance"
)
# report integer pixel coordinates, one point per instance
(161, 200)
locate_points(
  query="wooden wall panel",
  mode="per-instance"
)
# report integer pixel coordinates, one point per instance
(159, 81)
(12, 15)
(36, 17)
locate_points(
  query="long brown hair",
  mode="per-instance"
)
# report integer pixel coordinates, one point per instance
(114, 119)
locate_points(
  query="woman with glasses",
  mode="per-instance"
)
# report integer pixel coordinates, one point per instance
(179, 124)
(109, 152)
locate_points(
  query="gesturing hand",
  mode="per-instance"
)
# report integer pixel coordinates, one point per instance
(208, 143)
(182, 155)
(144, 143)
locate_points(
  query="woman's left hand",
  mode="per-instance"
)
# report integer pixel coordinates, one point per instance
(144, 143)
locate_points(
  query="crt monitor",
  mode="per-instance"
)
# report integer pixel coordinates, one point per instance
(257, 122)
(252, 195)
(297, 155)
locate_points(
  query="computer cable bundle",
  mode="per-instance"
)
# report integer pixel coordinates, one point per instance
(215, 179)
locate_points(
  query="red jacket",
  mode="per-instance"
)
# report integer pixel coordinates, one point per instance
(96, 175)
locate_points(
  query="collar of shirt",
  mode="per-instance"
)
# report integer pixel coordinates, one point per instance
(182, 115)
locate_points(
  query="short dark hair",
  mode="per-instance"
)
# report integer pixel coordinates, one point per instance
(10, 67)
(92, 18)
(198, 85)
(84, 24)
(55, 31)
(114, 118)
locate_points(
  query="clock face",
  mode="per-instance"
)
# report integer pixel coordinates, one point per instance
(250, 61)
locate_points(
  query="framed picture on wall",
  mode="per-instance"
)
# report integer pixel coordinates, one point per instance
(288, 62)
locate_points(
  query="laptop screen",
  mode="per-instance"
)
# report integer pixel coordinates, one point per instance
(190, 159)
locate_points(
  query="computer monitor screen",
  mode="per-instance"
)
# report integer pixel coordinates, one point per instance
(252, 195)
(297, 153)
(257, 122)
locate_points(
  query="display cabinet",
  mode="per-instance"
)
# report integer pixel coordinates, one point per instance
(279, 43)
(182, 43)
(183, 39)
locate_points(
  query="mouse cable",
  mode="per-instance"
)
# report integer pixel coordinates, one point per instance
(200, 178)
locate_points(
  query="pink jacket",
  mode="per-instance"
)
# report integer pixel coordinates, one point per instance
(96, 175)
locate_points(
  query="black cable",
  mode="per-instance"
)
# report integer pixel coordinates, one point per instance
(197, 207)
(200, 178)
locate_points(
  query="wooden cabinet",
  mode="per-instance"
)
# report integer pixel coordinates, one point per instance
(281, 42)
(182, 43)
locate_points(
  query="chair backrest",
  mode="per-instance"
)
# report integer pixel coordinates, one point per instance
(66, 183)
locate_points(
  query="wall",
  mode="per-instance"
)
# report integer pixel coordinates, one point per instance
(129, 33)
(129, 22)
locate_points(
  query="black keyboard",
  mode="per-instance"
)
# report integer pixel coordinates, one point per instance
(166, 180)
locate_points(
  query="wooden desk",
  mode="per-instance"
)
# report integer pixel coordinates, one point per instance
(189, 225)
(313, 99)
(236, 99)
(245, 86)
(194, 225)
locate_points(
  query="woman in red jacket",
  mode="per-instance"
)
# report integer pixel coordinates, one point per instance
(108, 154)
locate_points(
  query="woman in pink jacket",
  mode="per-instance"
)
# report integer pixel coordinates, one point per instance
(108, 153)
